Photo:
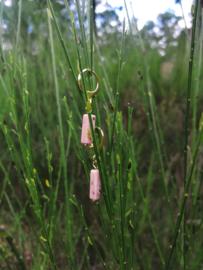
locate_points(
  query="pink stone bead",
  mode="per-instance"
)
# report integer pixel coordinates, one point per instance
(85, 127)
(95, 185)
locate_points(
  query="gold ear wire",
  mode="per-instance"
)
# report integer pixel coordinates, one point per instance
(102, 139)
(90, 93)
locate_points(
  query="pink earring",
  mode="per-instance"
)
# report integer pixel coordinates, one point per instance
(86, 138)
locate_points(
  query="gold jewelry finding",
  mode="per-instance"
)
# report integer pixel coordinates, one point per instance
(90, 93)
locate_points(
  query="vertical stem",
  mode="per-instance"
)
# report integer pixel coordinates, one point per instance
(68, 218)
(118, 90)
(17, 38)
(192, 48)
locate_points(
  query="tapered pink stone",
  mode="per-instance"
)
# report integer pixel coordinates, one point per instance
(85, 127)
(95, 185)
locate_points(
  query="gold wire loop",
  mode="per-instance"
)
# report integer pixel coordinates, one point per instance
(90, 93)
(94, 162)
(102, 139)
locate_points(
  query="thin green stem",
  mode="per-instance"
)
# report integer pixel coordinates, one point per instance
(192, 48)
(68, 220)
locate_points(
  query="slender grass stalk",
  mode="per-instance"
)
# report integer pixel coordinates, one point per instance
(126, 183)
(4, 185)
(184, 200)
(156, 146)
(146, 205)
(186, 29)
(91, 240)
(120, 55)
(106, 78)
(121, 193)
(1, 23)
(20, 228)
(17, 38)
(76, 109)
(195, 97)
(68, 219)
(82, 30)
(21, 207)
(72, 126)
(91, 29)
(14, 249)
(51, 202)
(192, 48)
(63, 47)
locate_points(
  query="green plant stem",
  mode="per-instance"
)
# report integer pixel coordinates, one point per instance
(156, 146)
(80, 211)
(192, 48)
(183, 202)
(118, 90)
(17, 38)
(146, 205)
(68, 213)
(14, 249)
(186, 29)
(64, 47)
(1, 23)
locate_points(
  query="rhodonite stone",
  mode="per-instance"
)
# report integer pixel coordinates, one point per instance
(95, 185)
(85, 139)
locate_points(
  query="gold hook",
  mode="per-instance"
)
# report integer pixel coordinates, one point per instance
(102, 139)
(90, 93)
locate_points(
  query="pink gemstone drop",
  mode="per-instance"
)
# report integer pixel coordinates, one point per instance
(95, 185)
(85, 127)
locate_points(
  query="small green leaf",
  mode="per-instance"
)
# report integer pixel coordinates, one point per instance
(130, 176)
(43, 239)
(34, 171)
(128, 185)
(12, 100)
(80, 158)
(89, 240)
(89, 134)
(131, 224)
(126, 134)
(128, 213)
(5, 128)
(201, 122)
(118, 159)
(45, 197)
(72, 17)
(89, 108)
(117, 175)
(78, 66)
(47, 183)
(112, 107)
(49, 13)
(107, 122)
(119, 116)
(72, 201)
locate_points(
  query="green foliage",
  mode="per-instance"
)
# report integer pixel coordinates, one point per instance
(46, 216)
